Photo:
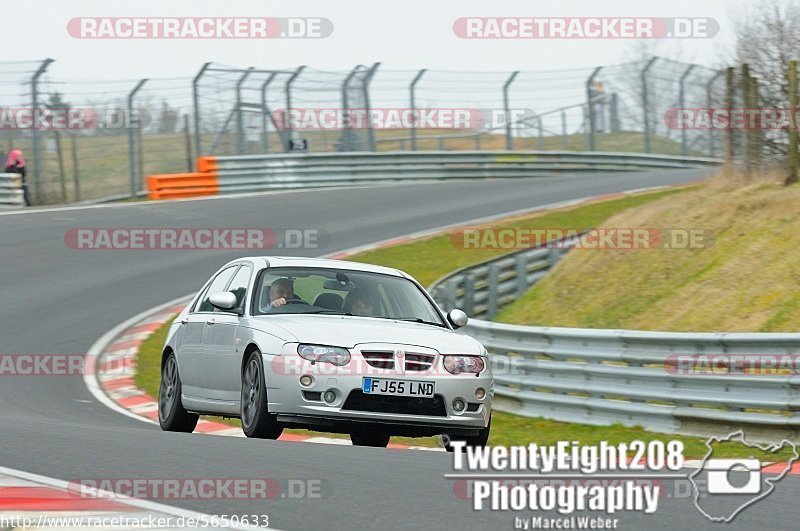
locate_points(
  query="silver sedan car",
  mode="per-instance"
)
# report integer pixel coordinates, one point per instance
(324, 345)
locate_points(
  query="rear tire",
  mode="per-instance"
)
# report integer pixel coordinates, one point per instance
(474, 441)
(370, 437)
(171, 414)
(257, 421)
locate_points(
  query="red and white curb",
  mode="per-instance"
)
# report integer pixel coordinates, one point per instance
(29, 501)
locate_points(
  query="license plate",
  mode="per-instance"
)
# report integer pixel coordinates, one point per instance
(383, 386)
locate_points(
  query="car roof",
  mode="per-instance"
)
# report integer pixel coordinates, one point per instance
(326, 263)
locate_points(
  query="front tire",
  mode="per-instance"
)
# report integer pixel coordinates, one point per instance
(473, 441)
(370, 437)
(257, 421)
(171, 414)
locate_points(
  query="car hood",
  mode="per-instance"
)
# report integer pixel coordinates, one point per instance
(346, 331)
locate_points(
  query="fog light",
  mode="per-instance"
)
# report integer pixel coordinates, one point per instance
(480, 393)
(329, 397)
(306, 380)
(458, 405)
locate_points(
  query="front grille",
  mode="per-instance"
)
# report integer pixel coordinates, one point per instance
(403, 405)
(419, 362)
(384, 359)
(379, 359)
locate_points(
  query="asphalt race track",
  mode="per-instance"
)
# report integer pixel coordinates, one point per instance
(60, 300)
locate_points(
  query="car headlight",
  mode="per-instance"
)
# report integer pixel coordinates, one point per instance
(323, 354)
(459, 364)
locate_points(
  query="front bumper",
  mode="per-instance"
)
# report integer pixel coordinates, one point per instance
(291, 400)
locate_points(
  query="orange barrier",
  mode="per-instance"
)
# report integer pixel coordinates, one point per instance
(180, 185)
(207, 164)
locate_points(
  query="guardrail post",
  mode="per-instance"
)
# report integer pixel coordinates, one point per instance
(451, 294)
(196, 110)
(469, 293)
(507, 110)
(554, 255)
(521, 266)
(365, 88)
(590, 106)
(413, 104)
(491, 295)
(646, 104)
(266, 114)
(132, 136)
(288, 88)
(37, 154)
(682, 105)
(709, 106)
(239, 113)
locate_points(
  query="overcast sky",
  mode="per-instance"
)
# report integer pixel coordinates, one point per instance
(403, 34)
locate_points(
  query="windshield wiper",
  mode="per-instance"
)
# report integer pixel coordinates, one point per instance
(412, 320)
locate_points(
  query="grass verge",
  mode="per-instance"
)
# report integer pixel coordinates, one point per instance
(741, 276)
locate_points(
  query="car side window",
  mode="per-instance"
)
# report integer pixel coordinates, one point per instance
(239, 285)
(217, 285)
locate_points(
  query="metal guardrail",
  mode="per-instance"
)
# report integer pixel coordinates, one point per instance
(263, 172)
(11, 189)
(691, 383)
(483, 289)
(252, 173)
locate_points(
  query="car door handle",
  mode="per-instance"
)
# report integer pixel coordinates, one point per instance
(210, 321)
(185, 320)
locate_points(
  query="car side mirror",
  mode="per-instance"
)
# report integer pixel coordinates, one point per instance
(224, 300)
(457, 318)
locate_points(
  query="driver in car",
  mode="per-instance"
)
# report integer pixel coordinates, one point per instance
(359, 302)
(281, 291)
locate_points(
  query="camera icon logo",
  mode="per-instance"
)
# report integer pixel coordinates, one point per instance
(720, 472)
(725, 487)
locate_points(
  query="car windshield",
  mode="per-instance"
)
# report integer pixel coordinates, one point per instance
(296, 290)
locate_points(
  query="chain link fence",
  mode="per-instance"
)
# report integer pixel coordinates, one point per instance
(134, 128)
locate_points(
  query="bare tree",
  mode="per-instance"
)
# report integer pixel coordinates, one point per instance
(767, 38)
